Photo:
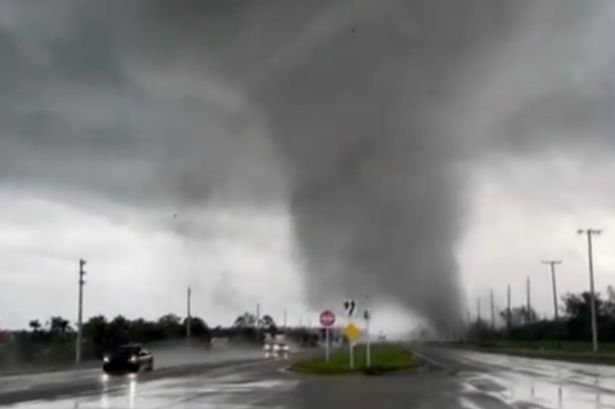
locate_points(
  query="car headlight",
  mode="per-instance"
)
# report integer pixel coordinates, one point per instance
(276, 347)
(106, 359)
(285, 348)
(133, 359)
(266, 347)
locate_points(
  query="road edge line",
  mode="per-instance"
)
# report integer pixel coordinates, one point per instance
(429, 361)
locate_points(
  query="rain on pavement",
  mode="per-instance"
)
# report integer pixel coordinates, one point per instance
(464, 379)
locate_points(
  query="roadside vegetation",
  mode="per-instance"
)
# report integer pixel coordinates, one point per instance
(521, 332)
(51, 344)
(385, 358)
(568, 351)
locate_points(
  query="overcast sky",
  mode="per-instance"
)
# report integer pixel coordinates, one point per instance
(206, 144)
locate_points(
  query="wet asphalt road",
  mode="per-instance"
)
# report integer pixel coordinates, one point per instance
(455, 379)
(168, 363)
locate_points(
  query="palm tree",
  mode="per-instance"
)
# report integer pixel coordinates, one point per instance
(267, 322)
(59, 325)
(246, 320)
(35, 325)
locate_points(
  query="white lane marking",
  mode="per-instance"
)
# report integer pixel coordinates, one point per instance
(428, 360)
(466, 403)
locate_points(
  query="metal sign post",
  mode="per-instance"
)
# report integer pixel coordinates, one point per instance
(368, 348)
(351, 331)
(351, 351)
(327, 319)
(327, 345)
(349, 306)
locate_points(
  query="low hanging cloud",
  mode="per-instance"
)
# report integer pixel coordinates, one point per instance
(359, 117)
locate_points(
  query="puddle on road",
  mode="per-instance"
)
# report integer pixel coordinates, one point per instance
(229, 392)
(559, 387)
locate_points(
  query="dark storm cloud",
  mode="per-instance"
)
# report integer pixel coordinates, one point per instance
(79, 115)
(571, 116)
(361, 112)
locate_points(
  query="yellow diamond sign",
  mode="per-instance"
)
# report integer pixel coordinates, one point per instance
(352, 332)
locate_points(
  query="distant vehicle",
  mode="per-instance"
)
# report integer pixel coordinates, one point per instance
(276, 345)
(132, 358)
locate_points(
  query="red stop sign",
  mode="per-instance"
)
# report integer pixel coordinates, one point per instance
(327, 318)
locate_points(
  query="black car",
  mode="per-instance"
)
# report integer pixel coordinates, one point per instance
(131, 358)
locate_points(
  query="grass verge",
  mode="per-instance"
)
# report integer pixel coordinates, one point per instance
(385, 358)
(570, 352)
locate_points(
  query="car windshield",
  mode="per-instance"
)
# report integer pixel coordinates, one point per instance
(126, 351)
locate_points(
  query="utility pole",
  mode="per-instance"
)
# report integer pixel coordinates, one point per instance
(188, 314)
(468, 325)
(492, 311)
(529, 300)
(508, 311)
(478, 317)
(258, 315)
(80, 313)
(590, 233)
(285, 319)
(553, 263)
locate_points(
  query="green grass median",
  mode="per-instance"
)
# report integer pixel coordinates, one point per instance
(385, 358)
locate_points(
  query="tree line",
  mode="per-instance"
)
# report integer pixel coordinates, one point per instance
(54, 340)
(574, 323)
